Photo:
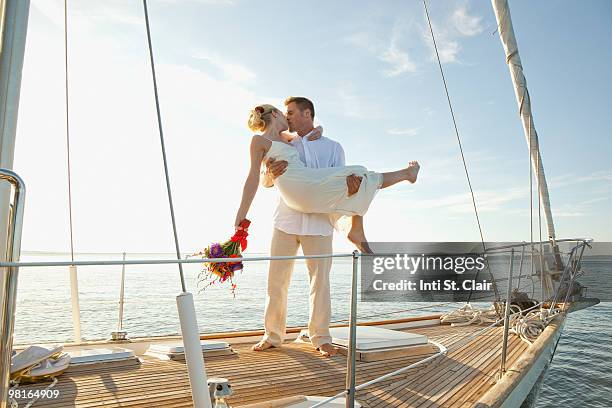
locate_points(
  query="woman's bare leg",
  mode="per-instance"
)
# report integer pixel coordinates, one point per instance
(357, 236)
(408, 174)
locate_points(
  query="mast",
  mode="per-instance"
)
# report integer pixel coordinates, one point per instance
(13, 27)
(506, 34)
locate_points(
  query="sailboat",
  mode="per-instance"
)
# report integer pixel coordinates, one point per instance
(468, 357)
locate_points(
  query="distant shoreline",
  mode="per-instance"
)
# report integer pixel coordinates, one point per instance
(170, 254)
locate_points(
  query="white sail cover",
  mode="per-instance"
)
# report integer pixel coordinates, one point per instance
(506, 34)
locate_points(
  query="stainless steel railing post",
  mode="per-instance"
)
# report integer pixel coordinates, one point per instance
(507, 317)
(518, 284)
(9, 281)
(566, 270)
(351, 359)
(573, 277)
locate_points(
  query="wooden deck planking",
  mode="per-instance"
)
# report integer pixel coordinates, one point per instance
(456, 380)
(486, 379)
(422, 386)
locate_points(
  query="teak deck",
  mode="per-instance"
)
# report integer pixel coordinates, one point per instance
(457, 380)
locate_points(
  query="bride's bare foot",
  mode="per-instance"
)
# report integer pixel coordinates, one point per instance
(262, 345)
(413, 171)
(327, 350)
(359, 240)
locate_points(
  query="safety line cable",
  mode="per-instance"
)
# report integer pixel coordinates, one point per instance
(68, 127)
(467, 174)
(163, 146)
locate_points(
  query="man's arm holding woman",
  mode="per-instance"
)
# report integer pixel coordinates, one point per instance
(353, 181)
(274, 169)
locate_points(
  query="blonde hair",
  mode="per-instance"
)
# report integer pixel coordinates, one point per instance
(260, 117)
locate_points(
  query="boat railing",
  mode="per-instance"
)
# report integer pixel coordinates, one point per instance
(12, 266)
(570, 272)
(525, 244)
(8, 294)
(15, 265)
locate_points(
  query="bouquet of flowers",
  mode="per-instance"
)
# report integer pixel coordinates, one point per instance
(221, 272)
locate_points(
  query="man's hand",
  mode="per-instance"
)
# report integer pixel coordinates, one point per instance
(275, 168)
(353, 182)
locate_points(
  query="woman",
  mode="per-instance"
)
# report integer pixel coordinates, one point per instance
(311, 190)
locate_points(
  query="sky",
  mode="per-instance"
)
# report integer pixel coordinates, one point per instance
(368, 66)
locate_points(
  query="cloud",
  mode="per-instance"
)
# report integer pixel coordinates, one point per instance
(83, 16)
(594, 200)
(582, 208)
(389, 50)
(466, 24)
(461, 203)
(448, 50)
(398, 58)
(364, 40)
(442, 163)
(209, 2)
(393, 49)
(603, 176)
(406, 132)
(447, 44)
(233, 71)
(568, 214)
(460, 24)
(429, 111)
(357, 106)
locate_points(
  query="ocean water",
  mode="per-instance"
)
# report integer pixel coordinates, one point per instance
(579, 375)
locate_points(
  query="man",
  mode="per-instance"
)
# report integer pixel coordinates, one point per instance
(313, 232)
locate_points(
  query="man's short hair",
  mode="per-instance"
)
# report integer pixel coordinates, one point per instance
(302, 104)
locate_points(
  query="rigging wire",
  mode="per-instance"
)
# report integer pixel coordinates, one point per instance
(527, 99)
(163, 146)
(540, 223)
(467, 174)
(537, 164)
(68, 128)
(524, 101)
(531, 202)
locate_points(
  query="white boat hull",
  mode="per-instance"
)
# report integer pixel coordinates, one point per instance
(520, 379)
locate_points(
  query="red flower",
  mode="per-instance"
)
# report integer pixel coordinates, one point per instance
(219, 272)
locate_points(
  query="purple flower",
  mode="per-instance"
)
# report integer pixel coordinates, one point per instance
(216, 251)
(236, 266)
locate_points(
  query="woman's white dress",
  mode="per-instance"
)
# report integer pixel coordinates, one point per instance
(323, 190)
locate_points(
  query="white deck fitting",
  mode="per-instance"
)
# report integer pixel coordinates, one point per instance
(32, 355)
(49, 366)
(374, 338)
(177, 347)
(312, 400)
(87, 356)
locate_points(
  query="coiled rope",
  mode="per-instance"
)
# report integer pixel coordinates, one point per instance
(527, 326)
(468, 314)
(15, 404)
(530, 326)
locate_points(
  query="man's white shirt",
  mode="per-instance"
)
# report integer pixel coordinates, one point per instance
(319, 153)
